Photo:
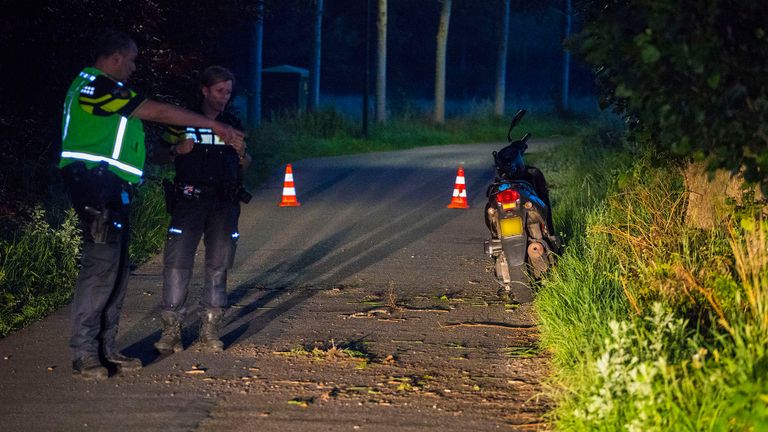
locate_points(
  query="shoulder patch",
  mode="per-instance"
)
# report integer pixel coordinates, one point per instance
(104, 96)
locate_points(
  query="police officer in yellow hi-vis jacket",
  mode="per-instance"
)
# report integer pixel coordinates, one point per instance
(102, 159)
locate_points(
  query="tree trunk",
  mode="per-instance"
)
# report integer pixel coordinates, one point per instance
(442, 45)
(707, 196)
(501, 63)
(381, 64)
(367, 72)
(314, 70)
(564, 103)
(254, 105)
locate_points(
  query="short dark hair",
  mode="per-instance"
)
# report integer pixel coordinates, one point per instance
(109, 42)
(216, 74)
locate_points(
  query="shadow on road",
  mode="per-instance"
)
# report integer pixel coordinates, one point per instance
(371, 219)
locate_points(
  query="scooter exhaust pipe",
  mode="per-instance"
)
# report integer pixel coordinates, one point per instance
(537, 257)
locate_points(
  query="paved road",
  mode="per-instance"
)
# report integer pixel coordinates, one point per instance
(371, 307)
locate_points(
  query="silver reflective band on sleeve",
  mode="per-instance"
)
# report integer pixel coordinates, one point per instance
(119, 137)
(87, 76)
(204, 136)
(96, 158)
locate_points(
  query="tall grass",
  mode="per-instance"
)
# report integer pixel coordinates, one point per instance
(583, 292)
(653, 325)
(149, 221)
(37, 269)
(39, 265)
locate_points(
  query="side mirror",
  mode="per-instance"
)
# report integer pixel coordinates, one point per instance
(519, 116)
(515, 120)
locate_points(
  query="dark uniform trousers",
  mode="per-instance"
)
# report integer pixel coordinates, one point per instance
(214, 219)
(101, 285)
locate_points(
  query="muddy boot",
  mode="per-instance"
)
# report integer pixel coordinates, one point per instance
(124, 363)
(209, 330)
(89, 368)
(170, 340)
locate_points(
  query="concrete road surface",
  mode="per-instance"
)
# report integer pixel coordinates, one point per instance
(370, 307)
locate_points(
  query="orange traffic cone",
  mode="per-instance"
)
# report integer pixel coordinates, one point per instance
(459, 199)
(289, 191)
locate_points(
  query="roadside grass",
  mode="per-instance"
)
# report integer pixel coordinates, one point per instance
(37, 270)
(652, 325)
(149, 220)
(328, 133)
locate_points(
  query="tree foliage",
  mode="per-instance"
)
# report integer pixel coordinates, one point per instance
(691, 75)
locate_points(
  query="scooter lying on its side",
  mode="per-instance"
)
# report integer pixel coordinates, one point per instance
(518, 215)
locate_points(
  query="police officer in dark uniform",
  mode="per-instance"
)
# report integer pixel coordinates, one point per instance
(204, 201)
(102, 160)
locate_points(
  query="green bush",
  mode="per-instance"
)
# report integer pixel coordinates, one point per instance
(690, 74)
(37, 270)
(149, 222)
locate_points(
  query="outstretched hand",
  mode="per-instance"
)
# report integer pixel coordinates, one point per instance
(231, 136)
(238, 144)
(184, 147)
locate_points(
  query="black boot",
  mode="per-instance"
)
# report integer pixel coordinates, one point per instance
(124, 363)
(109, 353)
(209, 329)
(170, 340)
(90, 368)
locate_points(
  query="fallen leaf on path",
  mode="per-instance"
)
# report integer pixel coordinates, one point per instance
(302, 402)
(196, 370)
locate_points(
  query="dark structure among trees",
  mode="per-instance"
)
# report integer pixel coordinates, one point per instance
(286, 90)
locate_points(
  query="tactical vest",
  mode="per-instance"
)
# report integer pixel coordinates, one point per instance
(96, 126)
(211, 162)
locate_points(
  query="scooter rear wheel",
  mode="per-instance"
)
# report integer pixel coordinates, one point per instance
(519, 286)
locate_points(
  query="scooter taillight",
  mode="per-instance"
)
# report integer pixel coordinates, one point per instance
(508, 196)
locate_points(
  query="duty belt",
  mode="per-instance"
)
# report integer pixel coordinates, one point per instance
(189, 191)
